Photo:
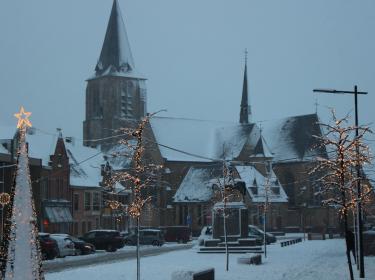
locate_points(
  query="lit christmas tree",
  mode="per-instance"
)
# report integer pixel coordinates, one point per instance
(23, 258)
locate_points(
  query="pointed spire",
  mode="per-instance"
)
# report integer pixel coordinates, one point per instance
(245, 108)
(116, 54)
(59, 131)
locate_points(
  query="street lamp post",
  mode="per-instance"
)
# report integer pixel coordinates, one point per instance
(359, 205)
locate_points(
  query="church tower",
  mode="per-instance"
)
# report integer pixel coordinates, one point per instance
(245, 112)
(116, 94)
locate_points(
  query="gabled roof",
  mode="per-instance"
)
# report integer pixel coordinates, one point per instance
(116, 58)
(3, 150)
(253, 178)
(292, 138)
(203, 140)
(196, 185)
(85, 163)
(261, 149)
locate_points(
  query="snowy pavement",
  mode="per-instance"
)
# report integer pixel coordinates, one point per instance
(309, 260)
(127, 252)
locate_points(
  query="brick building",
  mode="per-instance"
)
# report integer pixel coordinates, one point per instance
(116, 97)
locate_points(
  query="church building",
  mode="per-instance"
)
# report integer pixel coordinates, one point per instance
(273, 160)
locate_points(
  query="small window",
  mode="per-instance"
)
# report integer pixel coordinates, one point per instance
(87, 201)
(76, 202)
(275, 190)
(96, 202)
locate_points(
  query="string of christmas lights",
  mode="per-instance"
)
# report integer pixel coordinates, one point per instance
(23, 258)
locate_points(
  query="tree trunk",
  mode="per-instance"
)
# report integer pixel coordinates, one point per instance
(347, 247)
(138, 255)
(226, 239)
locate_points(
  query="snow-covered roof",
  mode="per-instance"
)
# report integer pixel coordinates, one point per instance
(3, 150)
(6, 134)
(85, 163)
(261, 149)
(292, 138)
(120, 155)
(254, 179)
(196, 185)
(203, 140)
(230, 140)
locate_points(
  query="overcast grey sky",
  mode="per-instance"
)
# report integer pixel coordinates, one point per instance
(192, 53)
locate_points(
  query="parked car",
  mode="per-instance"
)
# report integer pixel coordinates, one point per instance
(48, 246)
(81, 247)
(65, 245)
(180, 234)
(146, 237)
(105, 239)
(255, 231)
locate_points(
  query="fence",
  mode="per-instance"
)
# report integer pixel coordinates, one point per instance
(290, 242)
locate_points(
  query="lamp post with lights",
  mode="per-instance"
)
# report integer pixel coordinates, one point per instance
(355, 92)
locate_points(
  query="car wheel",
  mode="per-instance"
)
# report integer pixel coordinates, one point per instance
(111, 248)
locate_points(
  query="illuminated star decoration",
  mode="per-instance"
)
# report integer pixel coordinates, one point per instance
(23, 118)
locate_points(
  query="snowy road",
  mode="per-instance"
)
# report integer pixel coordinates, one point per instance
(318, 259)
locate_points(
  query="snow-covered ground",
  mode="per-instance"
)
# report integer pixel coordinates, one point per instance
(309, 260)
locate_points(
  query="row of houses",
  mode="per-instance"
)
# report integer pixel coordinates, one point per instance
(66, 180)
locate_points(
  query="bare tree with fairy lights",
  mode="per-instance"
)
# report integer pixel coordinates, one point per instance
(336, 176)
(23, 258)
(139, 177)
(224, 192)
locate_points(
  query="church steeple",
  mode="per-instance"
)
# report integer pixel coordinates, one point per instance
(116, 56)
(116, 96)
(245, 108)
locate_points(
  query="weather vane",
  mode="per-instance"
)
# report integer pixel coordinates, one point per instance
(23, 118)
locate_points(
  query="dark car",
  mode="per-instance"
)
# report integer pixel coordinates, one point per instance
(81, 247)
(255, 231)
(106, 239)
(48, 246)
(180, 234)
(146, 237)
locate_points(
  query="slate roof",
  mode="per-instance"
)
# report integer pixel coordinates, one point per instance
(116, 58)
(292, 138)
(203, 140)
(261, 149)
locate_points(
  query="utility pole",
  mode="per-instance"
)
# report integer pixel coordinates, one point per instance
(359, 191)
